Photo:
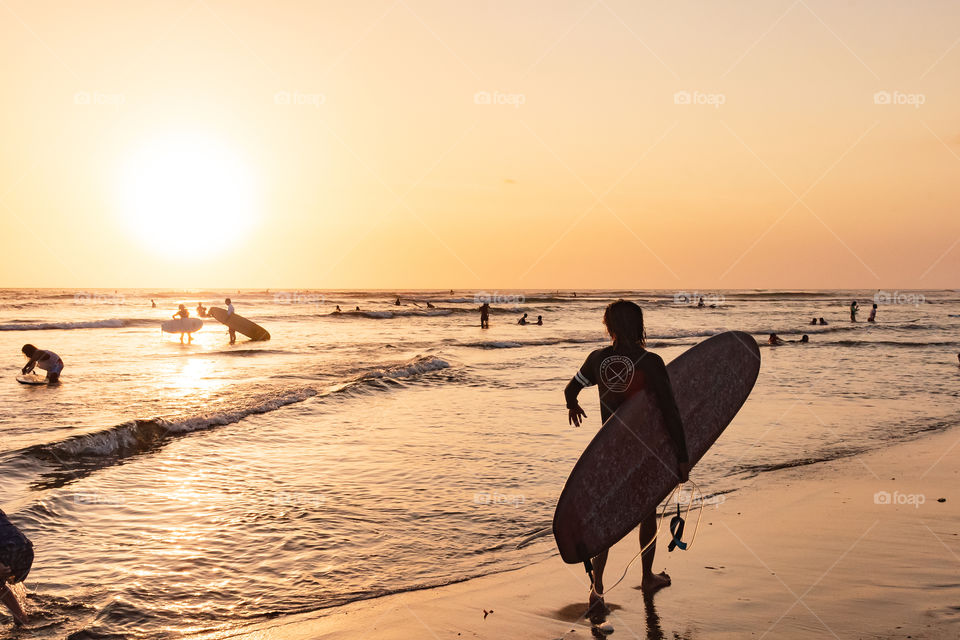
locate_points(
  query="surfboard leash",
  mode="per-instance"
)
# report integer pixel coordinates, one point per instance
(676, 532)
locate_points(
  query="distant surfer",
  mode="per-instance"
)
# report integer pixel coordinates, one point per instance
(522, 320)
(337, 310)
(814, 321)
(183, 314)
(701, 303)
(153, 304)
(485, 315)
(854, 307)
(397, 302)
(822, 322)
(804, 339)
(539, 321)
(430, 306)
(873, 313)
(230, 312)
(201, 310)
(43, 358)
(622, 370)
(358, 308)
(16, 558)
(775, 340)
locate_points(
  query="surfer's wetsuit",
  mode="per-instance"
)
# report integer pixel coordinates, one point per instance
(620, 373)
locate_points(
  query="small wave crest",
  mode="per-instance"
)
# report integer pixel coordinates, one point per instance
(111, 323)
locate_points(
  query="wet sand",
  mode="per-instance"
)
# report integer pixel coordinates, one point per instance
(806, 552)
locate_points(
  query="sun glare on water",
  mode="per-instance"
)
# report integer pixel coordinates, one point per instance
(187, 197)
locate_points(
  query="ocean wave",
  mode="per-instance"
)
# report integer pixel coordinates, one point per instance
(138, 436)
(111, 323)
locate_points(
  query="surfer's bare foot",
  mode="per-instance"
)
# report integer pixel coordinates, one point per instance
(655, 582)
(597, 610)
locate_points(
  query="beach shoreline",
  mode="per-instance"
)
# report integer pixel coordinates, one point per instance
(857, 547)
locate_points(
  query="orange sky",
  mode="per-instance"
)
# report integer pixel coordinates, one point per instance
(443, 144)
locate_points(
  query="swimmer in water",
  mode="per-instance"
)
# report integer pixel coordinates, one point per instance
(337, 310)
(539, 320)
(814, 321)
(201, 310)
(45, 359)
(822, 322)
(522, 320)
(358, 308)
(622, 370)
(701, 304)
(397, 303)
(873, 313)
(153, 304)
(775, 340)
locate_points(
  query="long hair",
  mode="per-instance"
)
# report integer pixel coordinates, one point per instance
(29, 350)
(624, 322)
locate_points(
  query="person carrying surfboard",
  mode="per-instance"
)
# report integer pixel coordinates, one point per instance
(46, 360)
(233, 334)
(184, 314)
(621, 370)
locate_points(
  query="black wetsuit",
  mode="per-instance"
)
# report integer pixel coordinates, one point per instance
(16, 551)
(620, 373)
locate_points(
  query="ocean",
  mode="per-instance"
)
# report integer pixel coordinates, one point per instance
(172, 490)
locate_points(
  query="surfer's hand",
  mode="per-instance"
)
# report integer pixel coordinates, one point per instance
(577, 415)
(683, 469)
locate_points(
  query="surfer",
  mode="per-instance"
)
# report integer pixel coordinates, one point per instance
(46, 360)
(622, 370)
(775, 340)
(358, 308)
(814, 321)
(230, 312)
(854, 307)
(701, 304)
(16, 558)
(522, 320)
(485, 315)
(397, 302)
(873, 313)
(153, 304)
(822, 322)
(539, 321)
(337, 310)
(184, 314)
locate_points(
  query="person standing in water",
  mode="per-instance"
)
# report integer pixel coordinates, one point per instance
(522, 320)
(16, 558)
(485, 315)
(46, 360)
(873, 313)
(854, 307)
(622, 370)
(201, 310)
(184, 314)
(153, 305)
(230, 312)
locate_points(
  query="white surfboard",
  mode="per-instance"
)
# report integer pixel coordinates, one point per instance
(182, 325)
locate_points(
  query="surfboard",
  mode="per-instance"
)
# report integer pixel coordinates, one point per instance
(239, 324)
(32, 378)
(182, 325)
(630, 466)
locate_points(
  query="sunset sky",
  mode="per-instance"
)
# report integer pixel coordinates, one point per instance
(415, 144)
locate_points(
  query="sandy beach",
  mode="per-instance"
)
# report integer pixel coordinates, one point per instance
(816, 551)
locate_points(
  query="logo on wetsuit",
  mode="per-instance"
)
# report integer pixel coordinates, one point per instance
(616, 373)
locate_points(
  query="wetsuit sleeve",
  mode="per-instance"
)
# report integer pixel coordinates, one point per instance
(668, 404)
(585, 377)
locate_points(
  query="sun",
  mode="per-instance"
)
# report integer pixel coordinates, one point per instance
(187, 196)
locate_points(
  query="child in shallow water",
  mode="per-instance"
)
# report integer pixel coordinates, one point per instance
(621, 370)
(46, 360)
(16, 558)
